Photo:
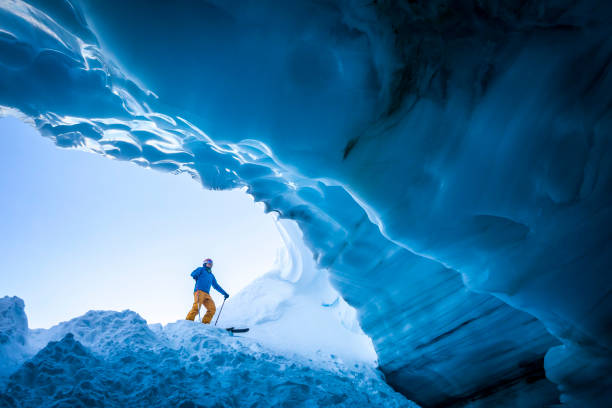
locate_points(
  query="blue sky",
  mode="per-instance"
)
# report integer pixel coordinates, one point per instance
(81, 232)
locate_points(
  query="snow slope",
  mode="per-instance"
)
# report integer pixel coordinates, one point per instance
(449, 162)
(114, 359)
(295, 309)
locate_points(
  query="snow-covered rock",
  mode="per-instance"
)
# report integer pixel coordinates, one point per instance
(113, 359)
(448, 162)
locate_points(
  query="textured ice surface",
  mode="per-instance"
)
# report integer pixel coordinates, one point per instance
(449, 162)
(114, 359)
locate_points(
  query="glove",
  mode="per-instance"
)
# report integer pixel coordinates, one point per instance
(226, 296)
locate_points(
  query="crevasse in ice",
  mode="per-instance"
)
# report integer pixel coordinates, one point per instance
(449, 163)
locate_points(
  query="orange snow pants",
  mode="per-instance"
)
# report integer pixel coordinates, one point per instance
(202, 298)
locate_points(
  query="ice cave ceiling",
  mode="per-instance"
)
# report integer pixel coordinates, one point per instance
(448, 161)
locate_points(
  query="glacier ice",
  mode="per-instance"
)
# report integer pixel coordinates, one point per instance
(449, 162)
(114, 359)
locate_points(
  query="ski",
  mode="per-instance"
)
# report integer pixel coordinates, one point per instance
(233, 330)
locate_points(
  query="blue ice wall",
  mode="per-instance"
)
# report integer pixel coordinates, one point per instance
(449, 162)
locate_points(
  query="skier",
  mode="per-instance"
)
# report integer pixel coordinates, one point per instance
(204, 279)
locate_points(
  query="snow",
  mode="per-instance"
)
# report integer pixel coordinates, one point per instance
(294, 308)
(114, 359)
(450, 167)
(305, 347)
(13, 334)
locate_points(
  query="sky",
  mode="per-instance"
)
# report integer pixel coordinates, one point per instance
(83, 232)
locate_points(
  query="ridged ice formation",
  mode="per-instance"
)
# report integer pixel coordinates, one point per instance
(448, 161)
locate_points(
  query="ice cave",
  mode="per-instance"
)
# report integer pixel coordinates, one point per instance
(441, 172)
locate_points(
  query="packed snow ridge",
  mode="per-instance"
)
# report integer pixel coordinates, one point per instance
(114, 359)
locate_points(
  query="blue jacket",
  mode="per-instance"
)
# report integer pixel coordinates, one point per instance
(204, 278)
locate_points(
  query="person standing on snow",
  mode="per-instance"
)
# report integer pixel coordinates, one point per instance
(201, 293)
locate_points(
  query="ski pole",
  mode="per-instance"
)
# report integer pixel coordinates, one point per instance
(220, 311)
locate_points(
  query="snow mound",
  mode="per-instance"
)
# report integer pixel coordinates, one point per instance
(105, 332)
(294, 308)
(13, 333)
(64, 373)
(113, 359)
